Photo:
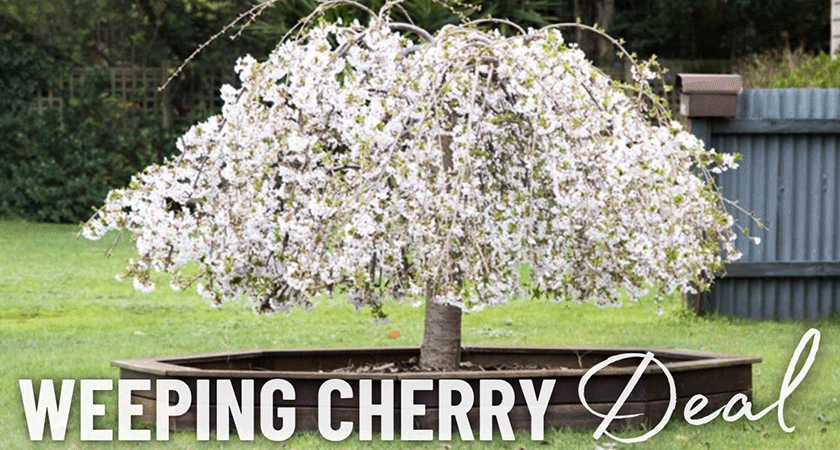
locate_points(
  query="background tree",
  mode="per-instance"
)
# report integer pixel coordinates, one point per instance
(600, 13)
(149, 32)
(727, 29)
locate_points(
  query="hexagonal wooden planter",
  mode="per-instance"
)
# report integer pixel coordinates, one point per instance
(718, 377)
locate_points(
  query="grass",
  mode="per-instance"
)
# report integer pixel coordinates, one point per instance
(63, 316)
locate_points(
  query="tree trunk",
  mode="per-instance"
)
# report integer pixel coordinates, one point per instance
(604, 52)
(597, 12)
(441, 349)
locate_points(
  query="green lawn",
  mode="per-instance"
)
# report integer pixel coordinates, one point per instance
(63, 315)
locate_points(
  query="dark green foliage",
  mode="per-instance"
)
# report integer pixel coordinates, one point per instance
(26, 66)
(57, 166)
(430, 15)
(704, 29)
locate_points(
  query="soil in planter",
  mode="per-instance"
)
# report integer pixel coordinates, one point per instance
(412, 365)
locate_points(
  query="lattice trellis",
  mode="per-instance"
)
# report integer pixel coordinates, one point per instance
(137, 85)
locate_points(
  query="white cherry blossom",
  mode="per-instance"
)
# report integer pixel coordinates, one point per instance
(357, 160)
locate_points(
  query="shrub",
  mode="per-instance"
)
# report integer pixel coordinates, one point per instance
(791, 69)
(26, 66)
(57, 165)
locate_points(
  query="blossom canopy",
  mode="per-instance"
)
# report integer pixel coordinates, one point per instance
(471, 169)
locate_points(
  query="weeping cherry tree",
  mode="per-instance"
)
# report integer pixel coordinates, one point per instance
(382, 162)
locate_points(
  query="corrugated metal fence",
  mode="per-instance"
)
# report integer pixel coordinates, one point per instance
(790, 177)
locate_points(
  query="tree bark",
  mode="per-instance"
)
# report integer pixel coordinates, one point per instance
(595, 12)
(441, 349)
(604, 52)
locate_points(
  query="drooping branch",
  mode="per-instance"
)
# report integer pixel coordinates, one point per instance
(385, 168)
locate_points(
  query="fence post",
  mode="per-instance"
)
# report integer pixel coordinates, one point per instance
(703, 98)
(165, 99)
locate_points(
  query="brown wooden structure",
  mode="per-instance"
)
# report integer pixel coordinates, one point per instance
(718, 377)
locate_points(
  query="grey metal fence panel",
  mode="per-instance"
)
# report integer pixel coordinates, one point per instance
(789, 175)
